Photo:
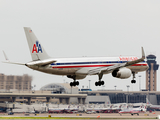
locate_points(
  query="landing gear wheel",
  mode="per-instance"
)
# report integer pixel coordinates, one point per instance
(133, 81)
(71, 84)
(74, 83)
(102, 82)
(96, 83)
(77, 83)
(99, 83)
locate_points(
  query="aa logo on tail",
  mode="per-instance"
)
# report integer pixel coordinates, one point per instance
(37, 48)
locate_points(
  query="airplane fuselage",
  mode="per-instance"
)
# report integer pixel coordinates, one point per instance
(71, 66)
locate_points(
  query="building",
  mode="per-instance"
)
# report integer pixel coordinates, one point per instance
(13, 83)
(151, 73)
(122, 96)
(62, 88)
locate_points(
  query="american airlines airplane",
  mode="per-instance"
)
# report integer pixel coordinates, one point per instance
(133, 111)
(79, 68)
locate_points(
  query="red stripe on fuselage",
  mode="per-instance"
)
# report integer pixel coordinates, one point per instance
(80, 66)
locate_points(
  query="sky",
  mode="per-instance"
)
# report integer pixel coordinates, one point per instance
(76, 28)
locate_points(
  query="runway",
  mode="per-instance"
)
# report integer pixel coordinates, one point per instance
(108, 116)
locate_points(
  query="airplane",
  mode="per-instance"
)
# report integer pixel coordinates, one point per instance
(110, 108)
(55, 110)
(132, 111)
(152, 107)
(63, 110)
(79, 68)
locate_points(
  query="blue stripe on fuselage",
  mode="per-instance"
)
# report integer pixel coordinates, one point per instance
(79, 63)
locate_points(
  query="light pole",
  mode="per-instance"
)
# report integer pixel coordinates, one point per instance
(89, 83)
(128, 88)
(115, 87)
(139, 82)
(127, 93)
(34, 88)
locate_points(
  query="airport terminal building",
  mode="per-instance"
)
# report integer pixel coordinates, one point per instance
(63, 93)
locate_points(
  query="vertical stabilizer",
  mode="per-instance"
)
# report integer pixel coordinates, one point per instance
(148, 102)
(36, 49)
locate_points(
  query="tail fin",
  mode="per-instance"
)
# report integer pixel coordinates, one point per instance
(36, 50)
(147, 101)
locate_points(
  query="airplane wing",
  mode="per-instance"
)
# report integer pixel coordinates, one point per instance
(102, 70)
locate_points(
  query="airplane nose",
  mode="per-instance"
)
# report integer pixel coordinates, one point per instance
(147, 67)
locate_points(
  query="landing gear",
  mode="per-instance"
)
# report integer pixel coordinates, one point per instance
(99, 83)
(133, 81)
(74, 83)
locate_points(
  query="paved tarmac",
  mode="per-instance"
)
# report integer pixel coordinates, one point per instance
(108, 116)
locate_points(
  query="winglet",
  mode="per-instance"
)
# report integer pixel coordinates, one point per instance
(143, 54)
(5, 56)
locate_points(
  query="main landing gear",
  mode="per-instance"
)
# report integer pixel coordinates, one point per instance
(133, 81)
(99, 83)
(74, 83)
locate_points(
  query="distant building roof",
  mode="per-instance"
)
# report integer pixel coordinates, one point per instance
(63, 87)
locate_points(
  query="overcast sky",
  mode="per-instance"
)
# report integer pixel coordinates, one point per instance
(76, 28)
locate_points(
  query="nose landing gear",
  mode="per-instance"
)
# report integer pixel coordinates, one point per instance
(133, 81)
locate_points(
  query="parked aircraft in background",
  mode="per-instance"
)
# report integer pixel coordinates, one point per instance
(63, 110)
(132, 111)
(79, 68)
(109, 108)
(152, 107)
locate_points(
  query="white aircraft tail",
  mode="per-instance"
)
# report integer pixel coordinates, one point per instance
(36, 50)
(148, 102)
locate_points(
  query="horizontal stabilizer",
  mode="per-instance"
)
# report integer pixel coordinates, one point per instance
(41, 62)
(7, 60)
(14, 63)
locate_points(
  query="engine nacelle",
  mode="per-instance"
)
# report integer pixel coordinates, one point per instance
(122, 73)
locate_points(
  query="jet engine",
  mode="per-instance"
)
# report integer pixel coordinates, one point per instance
(122, 73)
